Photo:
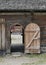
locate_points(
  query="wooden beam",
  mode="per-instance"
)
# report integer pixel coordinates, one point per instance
(15, 13)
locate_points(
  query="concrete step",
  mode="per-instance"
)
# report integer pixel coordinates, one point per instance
(17, 54)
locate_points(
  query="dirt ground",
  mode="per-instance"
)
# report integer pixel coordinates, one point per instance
(28, 59)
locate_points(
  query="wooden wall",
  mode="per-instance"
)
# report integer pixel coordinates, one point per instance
(24, 19)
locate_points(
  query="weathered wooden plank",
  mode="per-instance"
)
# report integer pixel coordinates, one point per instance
(17, 13)
(32, 39)
(3, 36)
(0, 37)
(2, 20)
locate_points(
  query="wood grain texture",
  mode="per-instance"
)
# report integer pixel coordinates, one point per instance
(32, 38)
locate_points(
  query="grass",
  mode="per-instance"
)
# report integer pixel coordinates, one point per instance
(1, 58)
(36, 55)
(40, 57)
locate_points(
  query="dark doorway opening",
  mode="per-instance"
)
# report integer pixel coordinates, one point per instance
(17, 38)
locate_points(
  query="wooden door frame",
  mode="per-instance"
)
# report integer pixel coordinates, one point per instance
(22, 30)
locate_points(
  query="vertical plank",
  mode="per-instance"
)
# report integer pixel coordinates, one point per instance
(0, 38)
(7, 39)
(3, 36)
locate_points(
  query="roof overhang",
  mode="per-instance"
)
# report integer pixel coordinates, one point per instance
(24, 10)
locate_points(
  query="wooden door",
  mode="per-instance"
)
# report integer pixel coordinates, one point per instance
(32, 38)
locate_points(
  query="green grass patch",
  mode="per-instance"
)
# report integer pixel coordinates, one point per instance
(36, 55)
(1, 58)
(40, 57)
